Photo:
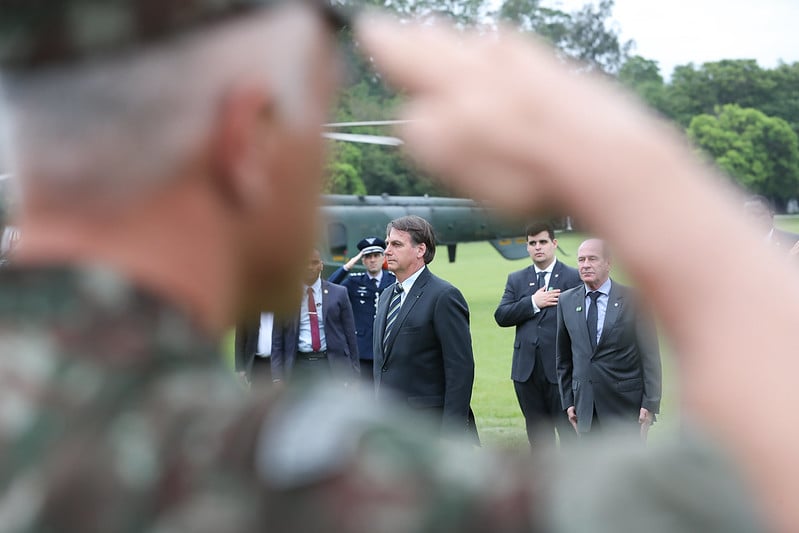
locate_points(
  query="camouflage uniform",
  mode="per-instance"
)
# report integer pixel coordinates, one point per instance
(116, 414)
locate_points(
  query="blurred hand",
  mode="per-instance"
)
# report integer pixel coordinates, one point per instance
(572, 414)
(497, 115)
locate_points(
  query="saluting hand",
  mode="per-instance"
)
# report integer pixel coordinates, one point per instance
(352, 262)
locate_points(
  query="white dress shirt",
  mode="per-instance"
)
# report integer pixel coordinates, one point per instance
(547, 277)
(408, 283)
(265, 335)
(304, 344)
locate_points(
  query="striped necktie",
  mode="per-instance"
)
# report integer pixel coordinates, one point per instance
(393, 311)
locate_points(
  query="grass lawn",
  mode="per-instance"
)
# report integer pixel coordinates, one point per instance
(480, 273)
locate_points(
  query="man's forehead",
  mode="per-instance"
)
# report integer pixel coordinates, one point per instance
(590, 249)
(540, 236)
(35, 33)
(398, 234)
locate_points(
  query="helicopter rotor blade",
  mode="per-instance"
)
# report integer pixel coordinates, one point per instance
(366, 123)
(364, 139)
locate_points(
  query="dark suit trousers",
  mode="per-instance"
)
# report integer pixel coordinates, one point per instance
(541, 406)
(367, 371)
(261, 372)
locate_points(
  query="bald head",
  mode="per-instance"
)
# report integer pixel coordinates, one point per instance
(593, 263)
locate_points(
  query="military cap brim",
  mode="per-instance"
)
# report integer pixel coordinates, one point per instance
(36, 33)
(372, 245)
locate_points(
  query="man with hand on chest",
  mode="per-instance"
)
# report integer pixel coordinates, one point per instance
(529, 302)
(364, 288)
(319, 342)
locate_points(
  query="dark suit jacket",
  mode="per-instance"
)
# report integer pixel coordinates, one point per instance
(342, 349)
(428, 360)
(363, 296)
(535, 334)
(622, 374)
(246, 343)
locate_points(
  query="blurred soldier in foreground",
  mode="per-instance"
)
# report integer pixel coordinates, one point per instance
(160, 164)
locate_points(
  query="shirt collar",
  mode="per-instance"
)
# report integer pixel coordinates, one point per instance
(408, 283)
(603, 289)
(316, 286)
(548, 269)
(377, 277)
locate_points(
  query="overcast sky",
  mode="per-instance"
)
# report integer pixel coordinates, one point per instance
(676, 32)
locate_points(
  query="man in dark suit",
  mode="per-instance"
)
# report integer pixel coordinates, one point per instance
(253, 348)
(364, 288)
(319, 342)
(529, 303)
(608, 358)
(422, 344)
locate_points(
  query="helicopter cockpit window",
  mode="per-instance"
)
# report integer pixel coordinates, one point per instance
(337, 239)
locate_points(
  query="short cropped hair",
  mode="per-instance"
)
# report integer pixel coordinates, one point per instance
(421, 232)
(537, 227)
(131, 120)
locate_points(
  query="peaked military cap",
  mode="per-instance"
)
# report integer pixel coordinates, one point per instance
(34, 33)
(372, 245)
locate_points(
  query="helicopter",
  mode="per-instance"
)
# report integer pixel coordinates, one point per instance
(349, 218)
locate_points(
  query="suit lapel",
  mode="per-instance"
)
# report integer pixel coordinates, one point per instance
(554, 283)
(554, 278)
(325, 300)
(612, 312)
(410, 301)
(578, 304)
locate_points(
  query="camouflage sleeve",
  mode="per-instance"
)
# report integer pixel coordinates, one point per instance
(339, 466)
(326, 451)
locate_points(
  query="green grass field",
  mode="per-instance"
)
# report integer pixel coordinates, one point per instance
(480, 272)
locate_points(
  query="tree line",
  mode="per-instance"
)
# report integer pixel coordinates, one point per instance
(743, 117)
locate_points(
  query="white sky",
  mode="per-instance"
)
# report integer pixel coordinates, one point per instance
(676, 32)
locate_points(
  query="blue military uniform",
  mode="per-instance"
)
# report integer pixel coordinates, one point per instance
(364, 292)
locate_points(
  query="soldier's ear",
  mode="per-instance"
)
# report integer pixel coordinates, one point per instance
(241, 143)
